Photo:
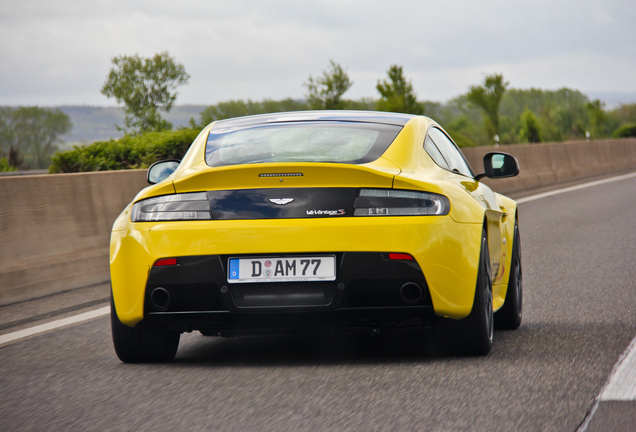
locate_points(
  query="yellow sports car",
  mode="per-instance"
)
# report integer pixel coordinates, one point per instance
(317, 220)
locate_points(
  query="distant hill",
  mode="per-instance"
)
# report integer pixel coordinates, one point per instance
(92, 124)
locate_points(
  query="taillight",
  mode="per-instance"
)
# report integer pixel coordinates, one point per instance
(396, 202)
(185, 206)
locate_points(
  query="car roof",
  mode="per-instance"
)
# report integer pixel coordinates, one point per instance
(396, 119)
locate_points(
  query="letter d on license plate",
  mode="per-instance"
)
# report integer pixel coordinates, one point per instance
(282, 269)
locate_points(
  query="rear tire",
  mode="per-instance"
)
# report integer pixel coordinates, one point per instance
(509, 316)
(472, 335)
(142, 345)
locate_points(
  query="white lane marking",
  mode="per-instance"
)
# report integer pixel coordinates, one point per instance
(622, 382)
(620, 386)
(10, 338)
(573, 188)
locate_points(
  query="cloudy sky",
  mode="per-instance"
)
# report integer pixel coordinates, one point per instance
(59, 52)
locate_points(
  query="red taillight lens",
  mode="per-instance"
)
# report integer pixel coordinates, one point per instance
(400, 256)
(166, 262)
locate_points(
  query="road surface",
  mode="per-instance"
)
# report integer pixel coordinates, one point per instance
(579, 319)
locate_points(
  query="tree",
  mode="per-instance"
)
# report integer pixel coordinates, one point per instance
(530, 130)
(6, 133)
(397, 93)
(238, 108)
(145, 86)
(623, 121)
(561, 113)
(597, 118)
(325, 92)
(488, 98)
(29, 135)
(225, 110)
(625, 113)
(463, 131)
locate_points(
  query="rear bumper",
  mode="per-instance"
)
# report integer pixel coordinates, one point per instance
(371, 290)
(446, 255)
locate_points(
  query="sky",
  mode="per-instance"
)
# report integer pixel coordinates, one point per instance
(59, 52)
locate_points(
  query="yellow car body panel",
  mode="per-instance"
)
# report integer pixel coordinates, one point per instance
(201, 177)
(501, 273)
(447, 248)
(453, 264)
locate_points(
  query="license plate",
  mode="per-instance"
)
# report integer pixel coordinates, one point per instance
(282, 269)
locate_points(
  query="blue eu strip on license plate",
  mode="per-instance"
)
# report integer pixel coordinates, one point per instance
(234, 269)
(282, 269)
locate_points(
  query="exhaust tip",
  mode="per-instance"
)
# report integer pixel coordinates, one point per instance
(160, 298)
(411, 292)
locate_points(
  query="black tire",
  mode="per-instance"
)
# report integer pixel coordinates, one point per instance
(472, 335)
(142, 345)
(509, 316)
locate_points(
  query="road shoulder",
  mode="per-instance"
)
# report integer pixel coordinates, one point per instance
(25, 314)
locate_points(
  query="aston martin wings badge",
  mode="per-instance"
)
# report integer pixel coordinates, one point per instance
(281, 201)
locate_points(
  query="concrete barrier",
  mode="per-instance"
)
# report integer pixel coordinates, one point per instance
(549, 164)
(55, 229)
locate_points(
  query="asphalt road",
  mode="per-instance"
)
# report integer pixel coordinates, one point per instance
(580, 297)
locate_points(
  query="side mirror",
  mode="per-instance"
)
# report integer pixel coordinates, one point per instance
(161, 170)
(499, 165)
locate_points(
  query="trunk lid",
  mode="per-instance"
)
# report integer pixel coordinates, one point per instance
(201, 177)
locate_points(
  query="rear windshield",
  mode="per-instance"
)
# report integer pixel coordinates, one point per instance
(324, 141)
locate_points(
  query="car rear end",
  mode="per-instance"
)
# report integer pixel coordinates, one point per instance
(237, 241)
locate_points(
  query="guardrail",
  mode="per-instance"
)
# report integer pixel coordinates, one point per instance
(55, 229)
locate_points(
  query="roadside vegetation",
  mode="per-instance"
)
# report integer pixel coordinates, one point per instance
(29, 136)
(146, 87)
(488, 113)
(129, 152)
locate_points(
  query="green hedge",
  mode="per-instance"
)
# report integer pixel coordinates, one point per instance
(625, 131)
(129, 152)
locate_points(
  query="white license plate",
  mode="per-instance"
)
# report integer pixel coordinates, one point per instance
(282, 269)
